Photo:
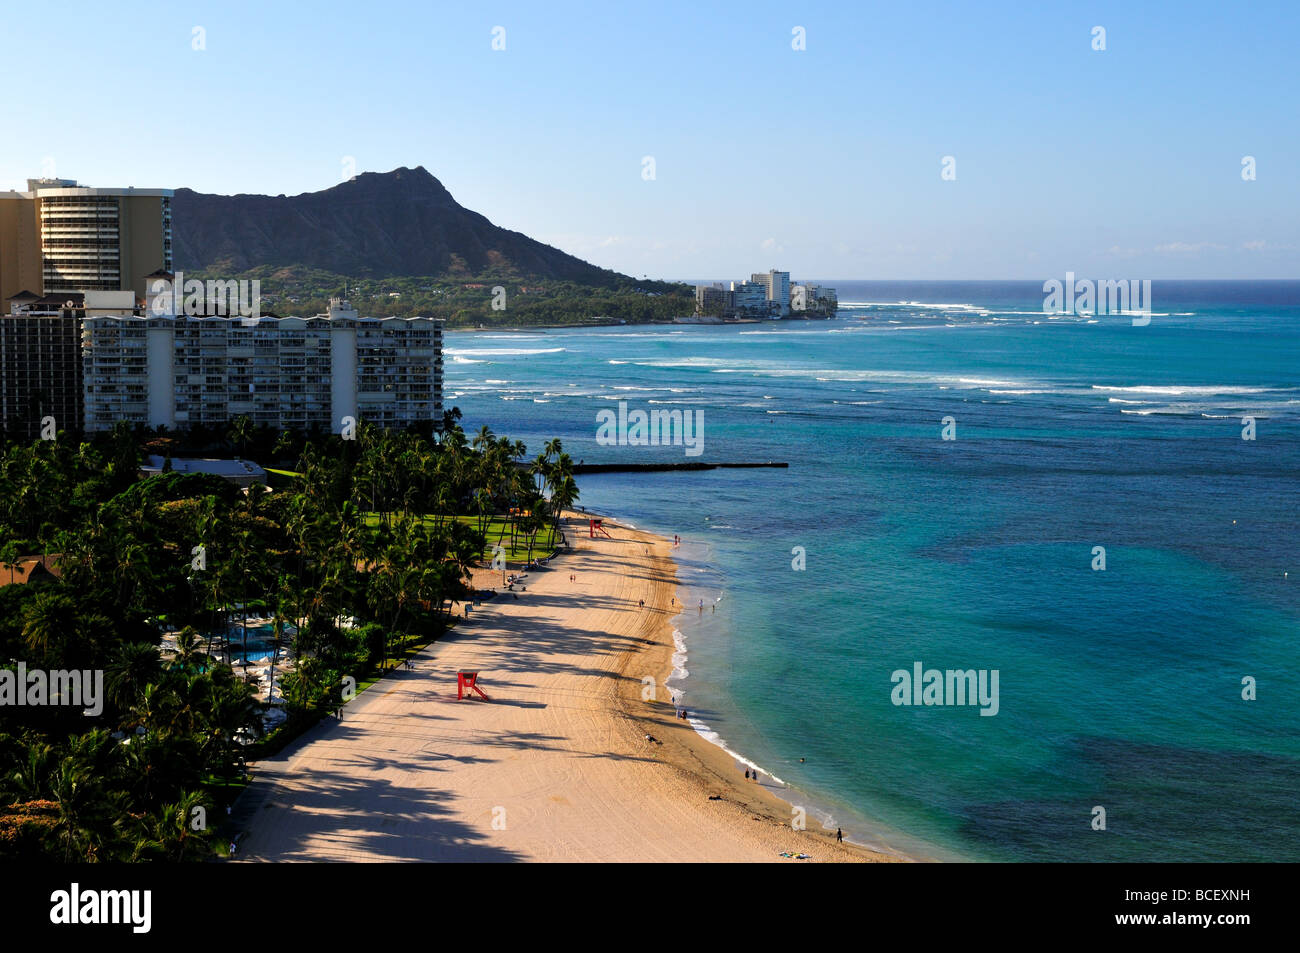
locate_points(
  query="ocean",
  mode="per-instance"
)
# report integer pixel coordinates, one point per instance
(1158, 695)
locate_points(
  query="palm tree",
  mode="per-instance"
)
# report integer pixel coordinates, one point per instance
(136, 665)
(538, 470)
(484, 439)
(9, 557)
(81, 805)
(188, 651)
(563, 495)
(30, 780)
(169, 835)
(49, 621)
(241, 429)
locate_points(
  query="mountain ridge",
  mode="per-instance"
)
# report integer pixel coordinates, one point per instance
(403, 223)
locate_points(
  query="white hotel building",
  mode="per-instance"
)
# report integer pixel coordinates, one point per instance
(288, 373)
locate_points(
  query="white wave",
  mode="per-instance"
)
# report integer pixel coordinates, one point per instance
(953, 306)
(458, 359)
(487, 336)
(679, 671)
(1174, 410)
(984, 382)
(707, 362)
(711, 736)
(1188, 390)
(504, 351)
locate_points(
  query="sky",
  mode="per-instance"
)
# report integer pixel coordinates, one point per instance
(826, 161)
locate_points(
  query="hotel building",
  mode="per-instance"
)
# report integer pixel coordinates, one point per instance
(287, 373)
(777, 286)
(62, 245)
(769, 296)
(59, 237)
(40, 364)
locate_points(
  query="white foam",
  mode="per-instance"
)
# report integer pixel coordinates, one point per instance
(504, 351)
(1186, 390)
(711, 736)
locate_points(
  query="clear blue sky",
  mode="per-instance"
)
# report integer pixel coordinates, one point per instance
(825, 162)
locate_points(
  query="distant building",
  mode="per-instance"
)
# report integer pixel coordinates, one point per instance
(712, 299)
(777, 286)
(749, 299)
(769, 295)
(815, 300)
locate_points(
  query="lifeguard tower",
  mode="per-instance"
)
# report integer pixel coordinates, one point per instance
(597, 526)
(468, 682)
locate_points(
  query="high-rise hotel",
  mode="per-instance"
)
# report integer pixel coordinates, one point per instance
(287, 373)
(60, 237)
(82, 340)
(60, 242)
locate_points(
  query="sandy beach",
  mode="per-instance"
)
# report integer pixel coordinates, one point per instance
(555, 767)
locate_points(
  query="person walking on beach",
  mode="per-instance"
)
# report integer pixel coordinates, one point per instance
(839, 836)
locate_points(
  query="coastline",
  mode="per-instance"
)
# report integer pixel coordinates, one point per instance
(707, 766)
(556, 767)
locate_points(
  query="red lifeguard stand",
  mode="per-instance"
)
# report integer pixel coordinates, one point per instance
(597, 526)
(467, 682)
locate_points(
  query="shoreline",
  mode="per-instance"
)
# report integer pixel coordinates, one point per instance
(556, 767)
(714, 766)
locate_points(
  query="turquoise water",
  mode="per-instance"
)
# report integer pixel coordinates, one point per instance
(1119, 688)
(261, 642)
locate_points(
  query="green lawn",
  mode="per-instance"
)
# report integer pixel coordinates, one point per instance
(496, 527)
